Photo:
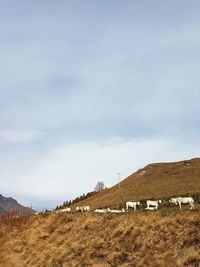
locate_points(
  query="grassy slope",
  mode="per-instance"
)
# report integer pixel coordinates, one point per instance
(165, 238)
(156, 239)
(160, 180)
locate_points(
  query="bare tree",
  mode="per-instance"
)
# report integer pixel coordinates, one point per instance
(99, 186)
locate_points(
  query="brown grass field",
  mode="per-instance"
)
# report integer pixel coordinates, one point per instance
(158, 180)
(165, 238)
(168, 237)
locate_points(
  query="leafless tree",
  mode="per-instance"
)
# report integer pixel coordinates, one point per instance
(99, 186)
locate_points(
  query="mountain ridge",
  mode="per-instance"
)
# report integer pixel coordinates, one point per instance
(2, 211)
(155, 180)
(9, 204)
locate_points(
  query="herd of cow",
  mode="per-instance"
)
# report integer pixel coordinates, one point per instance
(153, 204)
(150, 205)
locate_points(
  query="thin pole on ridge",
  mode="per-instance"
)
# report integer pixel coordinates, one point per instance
(119, 178)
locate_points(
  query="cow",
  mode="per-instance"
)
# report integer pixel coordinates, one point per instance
(115, 211)
(84, 208)
(64, 210)
(101, 210)
(131, 204)
(153, 203)
(183, 200)
(80, 209)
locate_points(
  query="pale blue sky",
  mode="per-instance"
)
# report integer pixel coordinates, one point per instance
(92, 88)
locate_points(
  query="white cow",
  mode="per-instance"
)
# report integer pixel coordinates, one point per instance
(80, 209)
(183, 200)
(115, 211)
(86, 208)
(64, 210)
(101, 210)
(131, 204)
(153, 203)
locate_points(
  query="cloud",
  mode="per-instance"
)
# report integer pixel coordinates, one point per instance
(88, 88)
(20, 136)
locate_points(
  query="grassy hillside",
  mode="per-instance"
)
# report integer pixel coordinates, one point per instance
(164, 238)
(159, 180)
(155, 239)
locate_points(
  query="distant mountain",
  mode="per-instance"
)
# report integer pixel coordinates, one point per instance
(2, 211)
(157, 180)
(8, 204)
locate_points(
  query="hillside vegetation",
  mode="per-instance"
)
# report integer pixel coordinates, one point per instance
(158, 180)
(156, 239)
(168, 237)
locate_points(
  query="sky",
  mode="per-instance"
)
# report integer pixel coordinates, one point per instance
(90, 89)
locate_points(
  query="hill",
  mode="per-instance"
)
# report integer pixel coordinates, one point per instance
(157, 239)
(158, 180)
(164, 238)
(8, 204)
(2, 211)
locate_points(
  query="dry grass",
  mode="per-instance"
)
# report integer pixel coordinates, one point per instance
(165, 238)
(15, 221)
(155, 239)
